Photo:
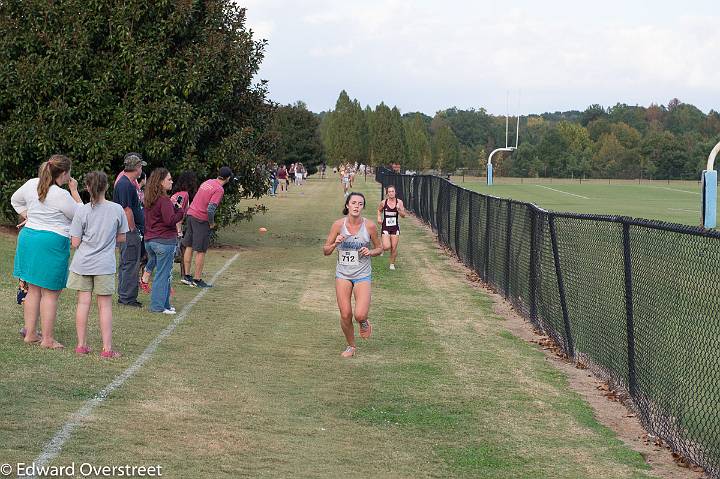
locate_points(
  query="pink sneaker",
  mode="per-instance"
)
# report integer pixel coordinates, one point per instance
(349, 352)
(83, 350)
(110, 354)
(365, 329)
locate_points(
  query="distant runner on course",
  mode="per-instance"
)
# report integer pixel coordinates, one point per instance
(389, 212)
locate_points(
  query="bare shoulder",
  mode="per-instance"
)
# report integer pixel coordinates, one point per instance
(371, 227)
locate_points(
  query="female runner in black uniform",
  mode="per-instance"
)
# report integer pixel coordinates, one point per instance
(389, 213)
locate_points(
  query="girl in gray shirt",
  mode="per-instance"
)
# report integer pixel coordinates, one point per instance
(95, 231)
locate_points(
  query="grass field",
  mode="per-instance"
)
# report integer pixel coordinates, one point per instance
(675, 202)
(252, 383)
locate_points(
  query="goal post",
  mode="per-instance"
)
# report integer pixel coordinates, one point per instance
(489, 163)
(506, 148)
(708, 209)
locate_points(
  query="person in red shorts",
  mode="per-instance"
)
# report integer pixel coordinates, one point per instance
(200, 220)
(282, 176)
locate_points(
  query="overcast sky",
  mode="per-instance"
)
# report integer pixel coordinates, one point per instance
(547, 55)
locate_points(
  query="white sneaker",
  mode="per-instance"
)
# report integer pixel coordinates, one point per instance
(392, 266)
(169, 311)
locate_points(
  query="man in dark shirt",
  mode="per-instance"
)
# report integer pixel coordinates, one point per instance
(126, 195)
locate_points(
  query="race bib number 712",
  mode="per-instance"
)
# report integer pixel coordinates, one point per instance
(348, 257)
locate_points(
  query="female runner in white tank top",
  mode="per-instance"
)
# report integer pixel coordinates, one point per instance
(352, 237)
(345, 180)
(389, 212)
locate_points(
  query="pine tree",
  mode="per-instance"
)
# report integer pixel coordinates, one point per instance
(388, 138)
(345, 132)
(418, 143)
(369, 118)
(446, 148)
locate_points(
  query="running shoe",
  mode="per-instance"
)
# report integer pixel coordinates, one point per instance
(110, 354)
(349, 352)
(132, 304)
(365, 329)
(83, 350)
(169, 311)
(392, 266)
(187, 279)
(199, 283)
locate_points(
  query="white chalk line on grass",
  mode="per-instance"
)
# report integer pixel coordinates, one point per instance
(53, 448)
(564, 192)
(683, 209)
(675, 189)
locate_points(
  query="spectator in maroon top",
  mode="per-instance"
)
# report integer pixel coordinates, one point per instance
(161, 216)
(183, 192)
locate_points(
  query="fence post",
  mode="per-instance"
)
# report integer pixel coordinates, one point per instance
(508, 241)
(471, 232)
(629, 310)
(382, 184)
(569, 346)
(426, 186)
(415, 203)
(457, 222)
(431, 203)
(534, 257)
(447, 217)
(486, 253)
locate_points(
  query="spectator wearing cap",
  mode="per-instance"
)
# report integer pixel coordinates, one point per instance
(200, 220)
(126, 195)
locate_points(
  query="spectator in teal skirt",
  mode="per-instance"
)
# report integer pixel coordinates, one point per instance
(43, 247)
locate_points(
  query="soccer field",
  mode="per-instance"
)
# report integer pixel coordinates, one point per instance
(674, 202)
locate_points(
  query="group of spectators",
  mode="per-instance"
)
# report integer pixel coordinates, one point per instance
(143, 219)
(282, 176)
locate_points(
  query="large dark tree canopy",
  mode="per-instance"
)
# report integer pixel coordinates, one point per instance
(297, 131)
(94, 79)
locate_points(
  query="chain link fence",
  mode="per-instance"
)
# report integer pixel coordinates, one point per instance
(634, 300)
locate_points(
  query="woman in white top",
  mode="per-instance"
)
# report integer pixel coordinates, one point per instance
(299, 174)
(43, 247)
(345, 180)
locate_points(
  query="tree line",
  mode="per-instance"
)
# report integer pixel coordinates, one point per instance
(622, 141)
